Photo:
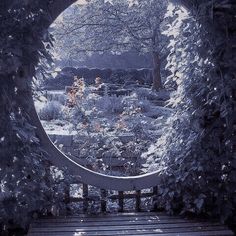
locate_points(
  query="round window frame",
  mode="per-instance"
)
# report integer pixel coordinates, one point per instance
(61, 160)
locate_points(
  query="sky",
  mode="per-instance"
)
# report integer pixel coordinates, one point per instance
(80, 2)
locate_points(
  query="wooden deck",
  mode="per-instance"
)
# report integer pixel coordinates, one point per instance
(147, 224)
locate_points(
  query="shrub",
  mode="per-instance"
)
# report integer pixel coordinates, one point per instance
(144, 105)
(28, 187)
(110, 104)
(58, 97)
(51, 111)
(145, 93)
(195, 153)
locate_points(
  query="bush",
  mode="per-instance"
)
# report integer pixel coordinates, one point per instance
(58, 97)
(29, 188)
(51, 111)
(146, 93)
(110, 104)
(195, 154)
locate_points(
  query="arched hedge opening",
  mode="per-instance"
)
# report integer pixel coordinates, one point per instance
(200, 175)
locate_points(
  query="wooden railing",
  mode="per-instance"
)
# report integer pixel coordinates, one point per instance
(104, 196)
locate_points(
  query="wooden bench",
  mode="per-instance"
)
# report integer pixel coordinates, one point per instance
(138, 222)
(146, 223)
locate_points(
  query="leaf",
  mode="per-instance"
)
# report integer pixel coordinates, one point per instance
(199, 203)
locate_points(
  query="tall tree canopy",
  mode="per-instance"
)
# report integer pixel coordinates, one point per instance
(116, 26)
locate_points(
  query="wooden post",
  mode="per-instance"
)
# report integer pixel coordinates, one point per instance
(67, 197)
(154, 198)
(138, 200)
(85, 197)
(121, 201)
(103, 200)
(67, 194)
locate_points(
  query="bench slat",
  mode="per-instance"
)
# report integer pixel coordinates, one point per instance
(143, 223)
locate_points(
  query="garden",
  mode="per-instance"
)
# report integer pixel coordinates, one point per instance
(109, 132)
(174, 130)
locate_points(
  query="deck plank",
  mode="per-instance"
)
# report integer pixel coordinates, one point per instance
(147, 224)
(108, 223)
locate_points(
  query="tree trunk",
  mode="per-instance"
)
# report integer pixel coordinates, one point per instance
(156, 72)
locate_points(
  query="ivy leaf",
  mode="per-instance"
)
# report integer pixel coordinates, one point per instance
(199, 203)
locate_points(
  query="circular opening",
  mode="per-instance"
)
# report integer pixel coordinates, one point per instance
(109, 119)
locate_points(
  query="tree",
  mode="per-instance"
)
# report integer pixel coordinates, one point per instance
(116, 26)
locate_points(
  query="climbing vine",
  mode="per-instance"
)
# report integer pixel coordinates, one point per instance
(28, 187)
(196, 152)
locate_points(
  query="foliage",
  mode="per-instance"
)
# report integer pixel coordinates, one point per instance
(195, 153)
(61, 98)
(110, 128)
(66, 77)
(116, 27)
(27, 187)
(106, 60)
(51, 111)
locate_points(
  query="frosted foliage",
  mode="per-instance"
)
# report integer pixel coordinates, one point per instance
(116, 127)
(114, 26)
(107, 128)
(195, 146)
